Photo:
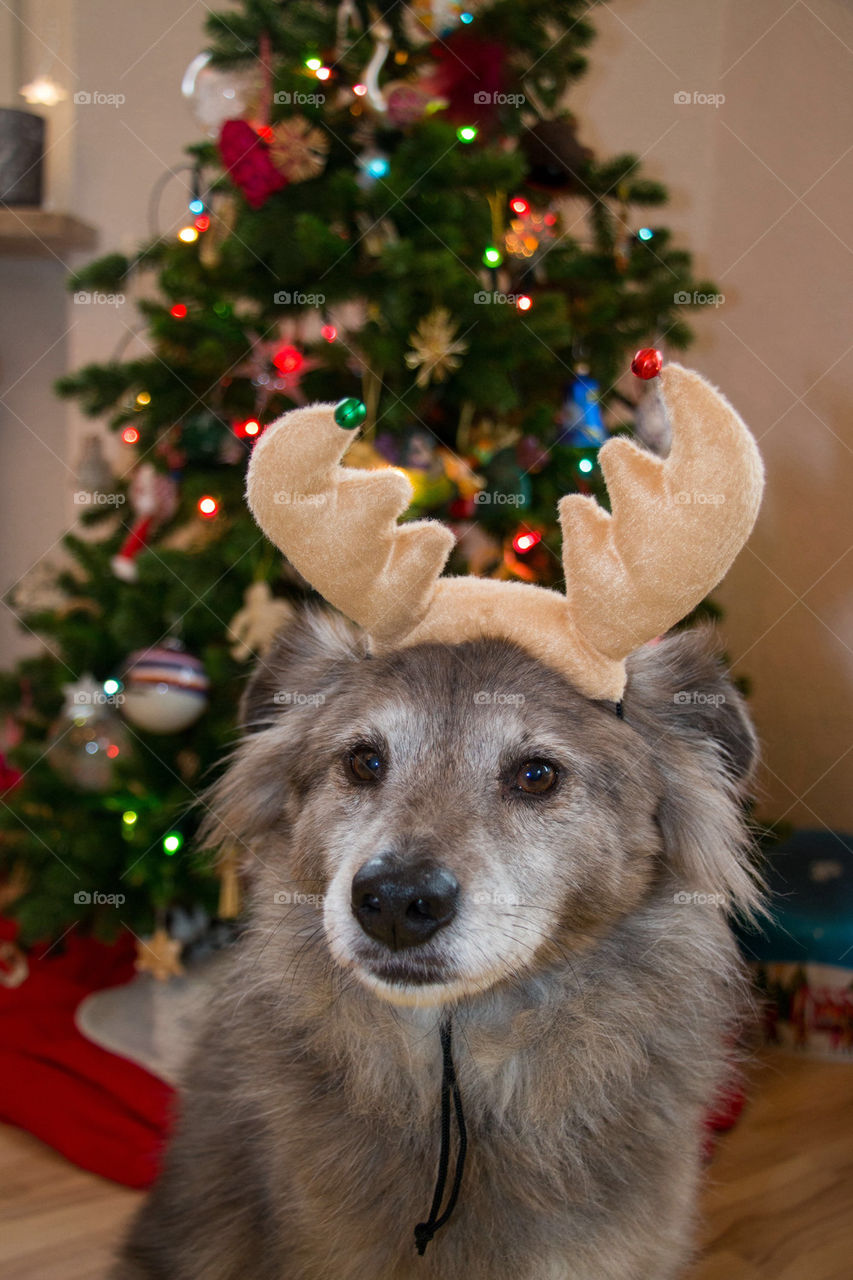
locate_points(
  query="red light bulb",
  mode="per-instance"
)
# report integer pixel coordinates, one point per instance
(130, 435)
(526, 541)
(179, 310)
(207, 507)
(288, 360)
(519, 206)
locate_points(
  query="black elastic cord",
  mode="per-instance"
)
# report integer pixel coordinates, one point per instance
(620, 710)
(425, 1231)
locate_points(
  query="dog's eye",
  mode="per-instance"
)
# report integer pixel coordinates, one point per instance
(535, 777)
(364, 764)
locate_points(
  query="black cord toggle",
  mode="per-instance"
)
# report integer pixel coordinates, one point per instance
(425, 1231)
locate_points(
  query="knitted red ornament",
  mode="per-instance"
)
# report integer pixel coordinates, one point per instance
(247, 159)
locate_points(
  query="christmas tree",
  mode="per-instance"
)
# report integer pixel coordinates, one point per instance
(391, 207)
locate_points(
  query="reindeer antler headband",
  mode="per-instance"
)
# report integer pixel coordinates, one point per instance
(676, 526)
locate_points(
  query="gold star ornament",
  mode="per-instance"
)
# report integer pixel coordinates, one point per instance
(159, 955)
(436, 349)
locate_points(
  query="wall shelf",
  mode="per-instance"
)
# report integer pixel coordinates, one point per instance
(36, 233)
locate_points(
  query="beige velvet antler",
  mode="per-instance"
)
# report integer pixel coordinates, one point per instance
(677, 525)
(339, 526)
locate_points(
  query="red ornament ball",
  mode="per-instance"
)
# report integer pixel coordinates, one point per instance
(647, 363)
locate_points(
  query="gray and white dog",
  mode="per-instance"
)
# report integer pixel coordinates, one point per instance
(454, 832)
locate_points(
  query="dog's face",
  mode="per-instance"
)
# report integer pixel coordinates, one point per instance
(460, 815)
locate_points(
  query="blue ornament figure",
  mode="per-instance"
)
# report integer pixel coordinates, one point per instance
(581, 423)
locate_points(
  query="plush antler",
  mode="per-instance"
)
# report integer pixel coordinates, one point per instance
(677, 525)
(339, 526)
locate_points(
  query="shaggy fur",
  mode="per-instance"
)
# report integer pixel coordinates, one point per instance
(591, 983)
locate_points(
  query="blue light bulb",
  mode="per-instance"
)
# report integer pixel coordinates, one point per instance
(378, 166)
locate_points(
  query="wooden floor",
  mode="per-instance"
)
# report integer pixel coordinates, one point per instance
(777, 1205)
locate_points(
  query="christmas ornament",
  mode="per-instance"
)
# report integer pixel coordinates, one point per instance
(436, 349)
(424, 465)
(466, 480)
(247, 159)
(407, 102)
(14, 881)
(556, 160)
(348, 23)
(647, 363)
(14, 967)
(203, 436)
(9, 775)
(473, 79)
(272, 366)
(165, 689)
(153, 500)
(582, 426)
(298, 148)
(93, 474)
(168, 447)
(38, 590)
(381, 33)
(193, 536)
(255, 626)
(159, 955)
(88, 737)
(230, 897)
(350, 413)
(531, 455)
(375, 235)
(481, 438)
(217, 94)
(424, 20)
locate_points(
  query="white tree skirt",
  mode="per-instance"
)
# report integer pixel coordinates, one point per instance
(152, 1023)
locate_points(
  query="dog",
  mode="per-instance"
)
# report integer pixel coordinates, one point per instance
(455, 835)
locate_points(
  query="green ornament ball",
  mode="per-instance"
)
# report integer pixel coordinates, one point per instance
(350, 413)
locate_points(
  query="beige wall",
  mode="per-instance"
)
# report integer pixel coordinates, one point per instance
(761, 187)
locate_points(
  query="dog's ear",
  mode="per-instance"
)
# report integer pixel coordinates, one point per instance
(311, 651)
(681, 699)
(683, 682)
(311, 654)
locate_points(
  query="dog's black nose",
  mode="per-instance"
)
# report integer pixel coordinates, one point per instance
(403, 904)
